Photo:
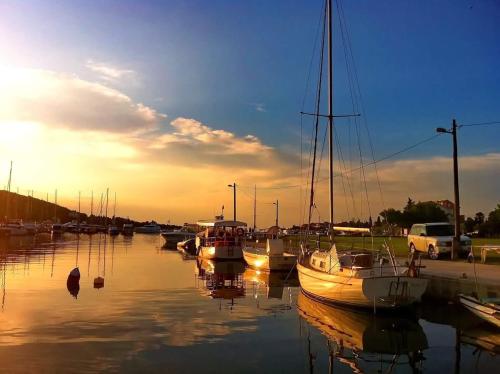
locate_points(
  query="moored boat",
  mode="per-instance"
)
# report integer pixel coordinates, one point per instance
(273, 257)
(351, 278)
(15, 227)
(187, 247)
(113, 230)
(150, 228)
(221, 240)
(128, 229)
(173, 237)
(56, 229)
(488, 310)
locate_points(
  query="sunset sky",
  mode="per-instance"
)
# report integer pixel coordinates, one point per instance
(166, 103)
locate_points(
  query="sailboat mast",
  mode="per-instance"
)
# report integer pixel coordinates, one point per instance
(330, 111)
(255, 208)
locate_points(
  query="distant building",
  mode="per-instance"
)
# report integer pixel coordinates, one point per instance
(448, 207)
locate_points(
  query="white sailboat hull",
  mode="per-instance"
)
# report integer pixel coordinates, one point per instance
(221, 253)
(485, 311)
(260, 260)
(380, 292)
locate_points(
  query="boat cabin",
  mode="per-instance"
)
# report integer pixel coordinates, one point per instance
(331, 261)
(221, 233)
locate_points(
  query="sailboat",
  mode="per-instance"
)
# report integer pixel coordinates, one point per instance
(352, 278)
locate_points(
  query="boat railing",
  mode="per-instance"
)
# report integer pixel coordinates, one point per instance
(222, 242)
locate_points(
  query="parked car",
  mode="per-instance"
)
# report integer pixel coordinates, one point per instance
(436, 239)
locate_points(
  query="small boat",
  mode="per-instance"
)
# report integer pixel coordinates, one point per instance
(273, 257)
(150, 228)
(128, 229)
(221, 240)
(113, 231)
(175, 236)
(488, 310)
(187, 247)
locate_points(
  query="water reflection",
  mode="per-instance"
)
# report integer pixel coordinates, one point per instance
(221, 279)
(158, 311)
(365, 342)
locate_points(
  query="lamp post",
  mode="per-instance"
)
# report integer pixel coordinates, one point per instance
(455, 248)
(233, 186)
(277, 203)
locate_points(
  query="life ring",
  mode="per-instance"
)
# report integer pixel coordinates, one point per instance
(240, 231)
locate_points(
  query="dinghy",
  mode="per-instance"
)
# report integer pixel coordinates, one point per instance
(488, 310)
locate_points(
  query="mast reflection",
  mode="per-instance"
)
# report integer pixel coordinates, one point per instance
(363, 341)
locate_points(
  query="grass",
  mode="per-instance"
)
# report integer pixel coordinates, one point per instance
(398, 244)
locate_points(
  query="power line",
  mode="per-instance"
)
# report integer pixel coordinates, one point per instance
(481, 124)
(406, 149)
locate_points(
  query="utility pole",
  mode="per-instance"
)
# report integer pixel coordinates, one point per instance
(233, 186)
(455, 248)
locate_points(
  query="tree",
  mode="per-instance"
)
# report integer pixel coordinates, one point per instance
(479, 218)
(469, 224)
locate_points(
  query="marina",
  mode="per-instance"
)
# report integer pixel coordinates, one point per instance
(156, 308)
(304, 187)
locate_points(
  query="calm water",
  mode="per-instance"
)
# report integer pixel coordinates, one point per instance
(159, 312)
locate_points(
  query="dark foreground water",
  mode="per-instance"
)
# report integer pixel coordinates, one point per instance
(160, 312)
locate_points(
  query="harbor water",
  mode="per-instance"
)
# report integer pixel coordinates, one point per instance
(160, 311)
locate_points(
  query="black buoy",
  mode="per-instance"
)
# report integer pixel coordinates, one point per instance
(73, 282)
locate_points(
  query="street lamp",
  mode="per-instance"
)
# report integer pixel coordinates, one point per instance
(233, 186)
(456, 239)
(277, 203)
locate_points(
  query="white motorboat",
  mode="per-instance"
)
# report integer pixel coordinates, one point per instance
(150, 228)
(273, 257)
(221, 240)
(488, 310)
(173, 237)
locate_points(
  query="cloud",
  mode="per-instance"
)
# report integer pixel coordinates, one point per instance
(259, 107)
(195, 144)
(109, 72)
(66, 101)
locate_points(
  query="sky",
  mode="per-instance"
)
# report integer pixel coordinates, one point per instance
(168, 102)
